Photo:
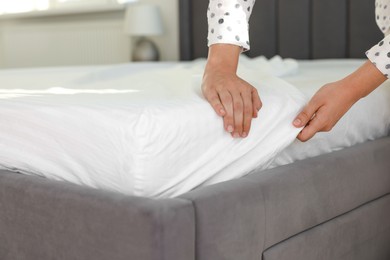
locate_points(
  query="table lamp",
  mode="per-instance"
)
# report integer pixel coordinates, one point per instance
(144, 20)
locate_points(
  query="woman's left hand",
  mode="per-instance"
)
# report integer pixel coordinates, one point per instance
(333, 100)
(325, 109)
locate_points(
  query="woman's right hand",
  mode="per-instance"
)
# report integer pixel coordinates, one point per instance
(230, 96)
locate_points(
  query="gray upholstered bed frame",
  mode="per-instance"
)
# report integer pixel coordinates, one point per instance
(335, 206)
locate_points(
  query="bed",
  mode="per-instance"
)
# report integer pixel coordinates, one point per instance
(331, 206)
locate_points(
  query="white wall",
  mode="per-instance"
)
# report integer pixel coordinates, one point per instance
(2, 64)
(169, 42)
(64, 40)
(80, 39)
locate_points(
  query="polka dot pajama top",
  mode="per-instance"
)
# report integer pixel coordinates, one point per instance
(228, 23)
(379, 55)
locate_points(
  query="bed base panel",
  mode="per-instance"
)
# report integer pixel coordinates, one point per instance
(238, 219)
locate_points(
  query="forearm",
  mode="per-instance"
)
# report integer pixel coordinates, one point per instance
(364, 80)
(223, 58)
(333, 100)
(228, 34)
(231, 97)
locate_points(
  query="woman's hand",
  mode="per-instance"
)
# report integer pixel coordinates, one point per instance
(230, 96)
(325, 109)
(333, 100)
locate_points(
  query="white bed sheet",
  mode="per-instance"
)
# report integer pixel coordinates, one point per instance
(94, 126)
(141, 133)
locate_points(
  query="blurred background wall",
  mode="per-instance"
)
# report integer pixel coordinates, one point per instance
(80, 39)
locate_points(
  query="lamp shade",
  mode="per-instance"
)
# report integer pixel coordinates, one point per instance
(143, 20)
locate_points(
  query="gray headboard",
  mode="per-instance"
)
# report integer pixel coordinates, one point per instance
(302, 29)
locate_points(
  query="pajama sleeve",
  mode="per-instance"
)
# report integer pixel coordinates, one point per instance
(379, 55)
(228, 22)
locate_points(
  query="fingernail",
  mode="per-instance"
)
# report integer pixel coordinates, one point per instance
(244, 135)
(230, 129)
(236, 135)
(297, 122)
(222, 111)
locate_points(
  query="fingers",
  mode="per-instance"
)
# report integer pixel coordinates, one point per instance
(238, 109)
(233, 111)
(247, 103)
(235, 100)
(214, 100)
(256, 102)
(247, 112)
(228, 118)
(308, 118)
(315, 125)
(321, 122)
(306, 114)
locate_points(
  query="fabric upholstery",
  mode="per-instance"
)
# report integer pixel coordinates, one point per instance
(294, 30)
(265, 208)
(302, 29)
(313, 191)
(330, 29)
(361, 19)
(230, 220)
(358, 235)
(239, 219)
(41, 219)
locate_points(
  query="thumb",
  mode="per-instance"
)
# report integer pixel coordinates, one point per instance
(305, 115)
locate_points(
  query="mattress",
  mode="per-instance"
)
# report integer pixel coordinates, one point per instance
(146, 130)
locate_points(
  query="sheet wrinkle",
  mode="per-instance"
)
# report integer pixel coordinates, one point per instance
(163, 139)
